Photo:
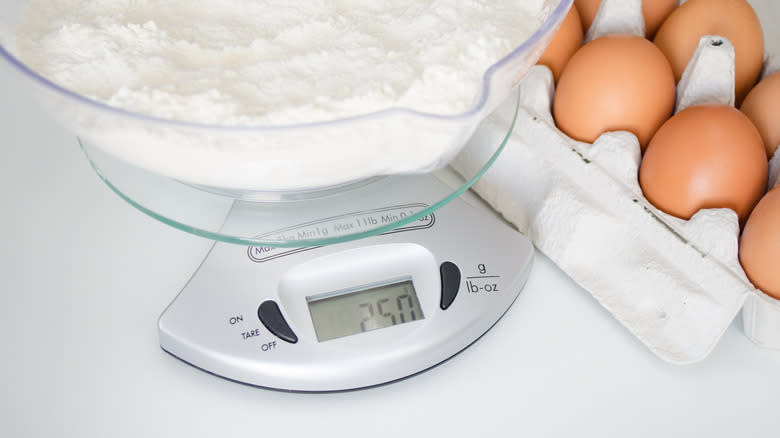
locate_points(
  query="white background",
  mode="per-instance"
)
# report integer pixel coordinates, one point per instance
(84, 277)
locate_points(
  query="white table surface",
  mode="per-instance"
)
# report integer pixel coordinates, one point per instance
(84, 277)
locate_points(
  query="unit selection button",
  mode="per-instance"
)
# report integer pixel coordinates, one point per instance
(271, 317)
(450, 283)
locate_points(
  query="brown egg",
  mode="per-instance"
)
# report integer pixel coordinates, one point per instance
(679, 36)
(564, 44)
(759, 246)
(587, 10)
(762, 106)
(654, 12)
(706, 156)
(614, 83)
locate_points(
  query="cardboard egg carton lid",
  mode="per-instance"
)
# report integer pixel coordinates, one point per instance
(675, 284)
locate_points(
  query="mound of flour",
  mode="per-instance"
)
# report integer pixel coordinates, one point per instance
(259, 62)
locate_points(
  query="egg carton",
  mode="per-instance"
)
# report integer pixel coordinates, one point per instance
(675, 284)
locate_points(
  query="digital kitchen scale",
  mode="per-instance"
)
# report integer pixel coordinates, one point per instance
(354, 314)
(349, 288)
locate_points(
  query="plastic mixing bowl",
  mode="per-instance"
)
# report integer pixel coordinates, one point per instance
(242, 160)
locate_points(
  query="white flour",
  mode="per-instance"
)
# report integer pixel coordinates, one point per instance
(260, 62)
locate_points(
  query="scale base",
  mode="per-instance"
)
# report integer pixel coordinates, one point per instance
(215, 322)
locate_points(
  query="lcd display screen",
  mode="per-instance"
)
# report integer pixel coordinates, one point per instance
(373, 308)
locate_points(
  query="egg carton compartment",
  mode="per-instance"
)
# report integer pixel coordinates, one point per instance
(676, 285)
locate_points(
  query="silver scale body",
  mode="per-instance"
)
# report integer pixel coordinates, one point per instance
(213, 323)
